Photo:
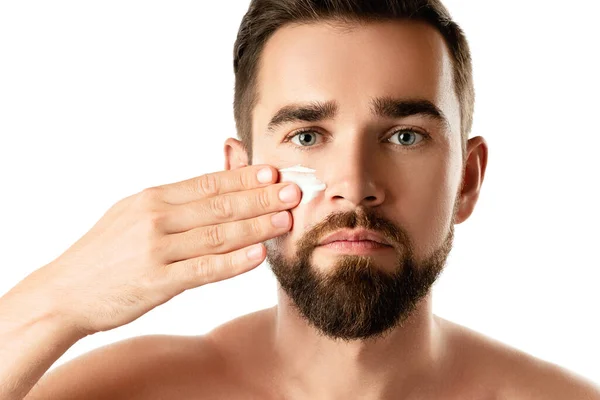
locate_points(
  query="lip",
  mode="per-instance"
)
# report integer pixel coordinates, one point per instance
(356, 235)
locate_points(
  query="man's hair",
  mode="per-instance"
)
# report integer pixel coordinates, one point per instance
(264, 17)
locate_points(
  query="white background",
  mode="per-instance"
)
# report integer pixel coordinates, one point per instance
(99, 100)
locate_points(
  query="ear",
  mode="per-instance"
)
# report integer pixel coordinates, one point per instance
(236, 155)
(473, 174)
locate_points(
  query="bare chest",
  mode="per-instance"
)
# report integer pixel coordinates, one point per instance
(231, 391)
(226, 385)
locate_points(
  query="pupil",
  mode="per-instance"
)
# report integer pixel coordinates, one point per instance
(305, 137)
(404, 135)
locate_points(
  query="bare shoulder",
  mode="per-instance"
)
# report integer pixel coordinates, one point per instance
(138, 367)
(151, 367)
(514, 373)
(545, 380)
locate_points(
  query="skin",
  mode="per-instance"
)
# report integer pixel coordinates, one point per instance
(275, 353)
(415, 187)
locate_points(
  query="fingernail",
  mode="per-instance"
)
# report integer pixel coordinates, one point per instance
(288, 194)
(255, 252)
(280, 220)
(264, 175)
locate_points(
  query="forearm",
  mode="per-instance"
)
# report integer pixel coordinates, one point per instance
(32, 337)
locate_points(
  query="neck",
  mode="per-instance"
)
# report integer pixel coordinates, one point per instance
(314, 366)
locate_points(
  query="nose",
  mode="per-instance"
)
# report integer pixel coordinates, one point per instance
(352, 178)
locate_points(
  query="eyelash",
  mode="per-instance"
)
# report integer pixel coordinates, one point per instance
(288, 139)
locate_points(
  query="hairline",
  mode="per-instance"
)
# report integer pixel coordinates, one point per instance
(347, 23)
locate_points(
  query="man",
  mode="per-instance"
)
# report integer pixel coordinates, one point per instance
(377, 98)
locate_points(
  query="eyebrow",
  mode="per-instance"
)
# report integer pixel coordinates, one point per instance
(308, 112)
(386, 107)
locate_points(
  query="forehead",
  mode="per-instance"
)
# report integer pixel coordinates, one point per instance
(352, 63)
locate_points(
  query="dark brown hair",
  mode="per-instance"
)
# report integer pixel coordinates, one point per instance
(264, 17)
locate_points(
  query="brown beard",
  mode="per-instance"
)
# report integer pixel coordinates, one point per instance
(358, 299)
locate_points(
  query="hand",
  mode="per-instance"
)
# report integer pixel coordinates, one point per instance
(154, 245)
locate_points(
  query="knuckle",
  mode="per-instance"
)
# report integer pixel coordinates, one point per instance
(221, 207)
(229, 262)
(264, 199)
(208, 184)
(150, 195)
(213, 236)
(147, 200)
(256, 227)
(246, 180)
(155, 219)
(204, 269)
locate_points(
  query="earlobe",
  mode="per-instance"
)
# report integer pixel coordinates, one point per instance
(235, 153)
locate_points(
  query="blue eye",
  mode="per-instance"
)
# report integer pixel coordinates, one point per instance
(304, 139)
(406, 137)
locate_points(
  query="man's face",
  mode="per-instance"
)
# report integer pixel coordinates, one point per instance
(389, 168)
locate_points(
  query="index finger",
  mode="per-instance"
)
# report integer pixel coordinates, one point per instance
(216, 183)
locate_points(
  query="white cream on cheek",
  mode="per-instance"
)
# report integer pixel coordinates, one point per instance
(305, 178)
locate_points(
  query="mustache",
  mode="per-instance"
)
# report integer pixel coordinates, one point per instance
(365, 218)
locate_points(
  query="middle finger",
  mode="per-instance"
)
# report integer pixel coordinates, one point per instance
(231, 207)
(227, 237)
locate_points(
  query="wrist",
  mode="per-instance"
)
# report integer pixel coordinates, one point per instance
(21, 308)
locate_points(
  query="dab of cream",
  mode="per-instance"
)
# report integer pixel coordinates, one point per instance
(304, 177)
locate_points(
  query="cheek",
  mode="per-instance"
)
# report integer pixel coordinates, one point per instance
(300, 218)
(304, 217)
(263, 154)
(428, 206)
